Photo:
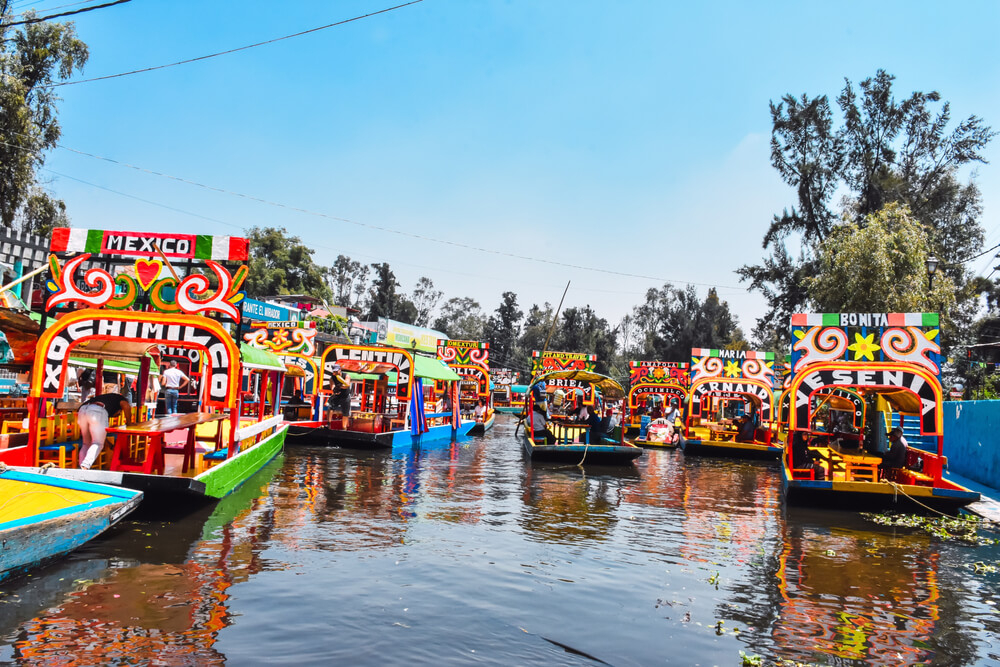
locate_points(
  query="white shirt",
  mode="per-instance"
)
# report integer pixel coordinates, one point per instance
(172, 378)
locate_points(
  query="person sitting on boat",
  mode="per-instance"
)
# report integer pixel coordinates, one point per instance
(540, 424)
(803, 457)
(480, 412)
(340, 398)
(896, 456)
(745, 429)
(93, 418)
(656, 412)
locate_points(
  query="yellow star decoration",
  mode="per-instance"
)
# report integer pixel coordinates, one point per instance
(863, 347)
(732, 369)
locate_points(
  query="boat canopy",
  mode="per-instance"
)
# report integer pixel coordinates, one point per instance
(294, 371)
(433, 369)
(519, 388)
(609, 388)
(258, 359)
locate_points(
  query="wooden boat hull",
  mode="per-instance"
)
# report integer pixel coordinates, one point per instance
(579, 453)
(50, 516)
(324, 436)
(172, 496)
(743, 450)
(874, 496)
(482, 427)
(654, 444)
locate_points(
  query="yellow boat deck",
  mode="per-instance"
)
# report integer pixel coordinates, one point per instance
(20, 500)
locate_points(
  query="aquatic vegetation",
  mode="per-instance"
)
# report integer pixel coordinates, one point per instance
(964, 528)
(751, 660)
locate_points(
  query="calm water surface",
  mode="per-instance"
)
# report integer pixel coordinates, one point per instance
(466, 554)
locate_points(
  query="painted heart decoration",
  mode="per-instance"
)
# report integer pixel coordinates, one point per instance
(147, 271)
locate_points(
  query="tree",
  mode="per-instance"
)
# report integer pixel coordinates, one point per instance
(878, 266)
(581, 330)
(382, 297)
(282, 264)
(461, 318)
(425, 299)
(32, 57)
(885, 151)
(672, 321)
(347, 281)
(502, 330)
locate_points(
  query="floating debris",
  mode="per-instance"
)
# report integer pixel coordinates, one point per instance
(963, 528)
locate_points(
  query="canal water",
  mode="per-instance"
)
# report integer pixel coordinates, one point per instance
(466, 554)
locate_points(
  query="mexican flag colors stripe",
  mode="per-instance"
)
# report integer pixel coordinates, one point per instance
(149, 244)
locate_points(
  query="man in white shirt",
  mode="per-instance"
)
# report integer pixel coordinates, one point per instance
(173, 380)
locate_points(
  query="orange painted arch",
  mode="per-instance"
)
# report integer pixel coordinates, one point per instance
(810, 377)
(767, 414)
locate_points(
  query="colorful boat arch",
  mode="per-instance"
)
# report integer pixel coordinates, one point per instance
(757, 391)
(141, 330)
(294, 343)
(660, 378)
(911, 388)
(470, 359)
(365, 359)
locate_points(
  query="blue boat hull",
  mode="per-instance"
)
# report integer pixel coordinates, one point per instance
(35, 540)
(326, 437)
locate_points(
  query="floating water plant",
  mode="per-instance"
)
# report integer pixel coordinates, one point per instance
(963, 528)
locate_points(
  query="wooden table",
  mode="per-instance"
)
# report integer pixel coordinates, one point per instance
(719, 432)
(156, 430)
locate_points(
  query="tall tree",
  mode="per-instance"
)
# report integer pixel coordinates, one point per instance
(502, 330)
(581, 330)
(424, 299)
(885, 151)
(32, 57)
(461, 318)
(672, 321)
(347, 280)
(282, 264)
(382, 296)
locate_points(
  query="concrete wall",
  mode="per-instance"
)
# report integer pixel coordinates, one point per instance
(972, 440)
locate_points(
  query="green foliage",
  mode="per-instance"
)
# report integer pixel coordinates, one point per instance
(282, 264)
(672, 321)
(964, 528)
(581, 330)
(878, 265)
(347, 281)
(385, 301)
(502, 329)
(31, 57)
(462, 319)
(425, 298)
(883, 152)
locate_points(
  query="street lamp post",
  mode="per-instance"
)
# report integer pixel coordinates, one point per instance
(932, 265)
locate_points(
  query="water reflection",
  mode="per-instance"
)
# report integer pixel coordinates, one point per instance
(468, 553)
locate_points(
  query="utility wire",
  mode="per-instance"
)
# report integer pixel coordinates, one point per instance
(40, 19)
(241, 48)
(48, 9)
(389, 230)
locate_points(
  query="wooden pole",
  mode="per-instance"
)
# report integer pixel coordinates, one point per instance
(555, 319)
(27, 276)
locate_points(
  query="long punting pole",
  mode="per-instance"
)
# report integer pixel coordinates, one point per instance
(555, 319)
(27, 276)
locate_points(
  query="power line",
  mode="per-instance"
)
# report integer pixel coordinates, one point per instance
(48, 9)
(241, 48)
(40, 19)
(389, 230)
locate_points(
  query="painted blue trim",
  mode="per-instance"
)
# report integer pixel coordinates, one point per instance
(810, 484)
(954, 493)
(442, 432)
(55, 514)
(76, 485)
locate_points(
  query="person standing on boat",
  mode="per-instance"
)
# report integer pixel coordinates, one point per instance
(340, 399)
(672, 413)
(173, 380)
(93, 418)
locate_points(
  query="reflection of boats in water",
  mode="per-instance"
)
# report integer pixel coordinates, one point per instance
(566, 504)
(150, 592)
(874, 600)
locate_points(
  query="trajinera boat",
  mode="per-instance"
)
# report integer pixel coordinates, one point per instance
(855, 375)
(402, 399)
(560, 438)
(509, 397)
(730, 410)
(136, 314)
(44, 517)
(655, 389)
(471, 360)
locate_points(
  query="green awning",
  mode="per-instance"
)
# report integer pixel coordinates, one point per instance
(110, 365)
(260, 359)
(433, 369)
(372, 376)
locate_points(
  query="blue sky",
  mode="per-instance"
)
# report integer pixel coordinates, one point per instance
(630, 136)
